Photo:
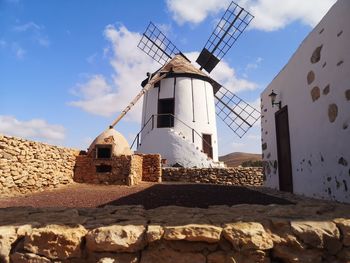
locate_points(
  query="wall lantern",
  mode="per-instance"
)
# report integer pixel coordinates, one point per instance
(273, 96)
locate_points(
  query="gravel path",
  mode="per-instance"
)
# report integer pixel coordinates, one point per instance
(147, 194)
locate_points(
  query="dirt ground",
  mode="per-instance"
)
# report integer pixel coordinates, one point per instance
(147, 194)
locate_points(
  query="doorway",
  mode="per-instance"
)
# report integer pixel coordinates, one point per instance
(283, 150)
(165, 113)
(207, 146)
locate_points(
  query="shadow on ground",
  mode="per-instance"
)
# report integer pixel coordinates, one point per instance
(196, 195)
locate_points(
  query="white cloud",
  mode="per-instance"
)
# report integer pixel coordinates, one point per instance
(36, 129)
(194, 11)
(92, 58)
(26, 27)
(254, 65)
(18, 50)
(107, 96)
(36, 31)
(269, 14)
(226, 76)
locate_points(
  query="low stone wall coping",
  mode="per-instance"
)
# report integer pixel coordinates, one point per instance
(241, 233)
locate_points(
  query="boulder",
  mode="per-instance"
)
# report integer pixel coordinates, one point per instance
(55, 241)
(317, 234)
(247, 235)
(344, 226)
(8, 236)
(116, 238)
(193, 232)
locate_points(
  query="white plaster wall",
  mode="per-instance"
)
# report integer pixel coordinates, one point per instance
(174, 149)
(150, 102)
(317, 145)
(204, 110)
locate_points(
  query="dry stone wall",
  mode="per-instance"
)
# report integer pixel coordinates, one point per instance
(130, 234)
(124, 170)
(245, 176)
(151, 168)
(28, 166)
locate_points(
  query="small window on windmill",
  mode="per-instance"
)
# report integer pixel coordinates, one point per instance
(103, 151)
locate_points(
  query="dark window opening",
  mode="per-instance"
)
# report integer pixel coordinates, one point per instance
(104, 152)
(207, 146)
(103, 168)
(165, 113)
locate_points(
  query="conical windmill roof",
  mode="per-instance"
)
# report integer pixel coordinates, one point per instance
(179, 65)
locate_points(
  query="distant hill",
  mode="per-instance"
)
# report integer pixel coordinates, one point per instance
(237, 158)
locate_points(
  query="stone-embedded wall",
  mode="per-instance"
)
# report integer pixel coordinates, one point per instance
(28, 166)
(130, 234)
(246, 176)
(314, 85)
(151, 167)
(125, 170)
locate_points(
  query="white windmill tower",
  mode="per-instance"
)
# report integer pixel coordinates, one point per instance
(179, 113)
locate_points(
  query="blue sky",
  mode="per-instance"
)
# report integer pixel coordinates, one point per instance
(67, 68)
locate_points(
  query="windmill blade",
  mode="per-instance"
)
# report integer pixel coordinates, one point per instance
(237, 114)
(156, 45)
(230, 27)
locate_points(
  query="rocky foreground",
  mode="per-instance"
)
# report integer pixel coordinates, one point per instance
(306, 232)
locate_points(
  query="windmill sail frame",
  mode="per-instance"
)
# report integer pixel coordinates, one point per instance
(156, 45)
(228, 30)
(237, 114)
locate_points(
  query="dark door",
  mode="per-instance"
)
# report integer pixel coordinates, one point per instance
(207, 148)
(165, 113)
(283, 150)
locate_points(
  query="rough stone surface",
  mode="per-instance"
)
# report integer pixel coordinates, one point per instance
(128, 238)
(317, 234)
(27, 166)
(315, 93)
(166, 255)
(332, 112)
(193, 232)
(7, 237)
(344, 226)
(124, 169)
(28, 258)
(247, 235)
(347, 94)
(247, 176)
(310, 77)
(326, 90)
(316, 55)
(55, 241)
(130, 234)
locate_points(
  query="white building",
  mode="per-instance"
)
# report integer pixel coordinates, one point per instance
(306, 144)
(178, 117)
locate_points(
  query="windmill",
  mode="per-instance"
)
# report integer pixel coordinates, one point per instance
(179, 99)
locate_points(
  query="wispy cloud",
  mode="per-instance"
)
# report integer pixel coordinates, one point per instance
(35, 129)
(270, 15)
(35, 31)
(18, 51)
(108, 95)
(254, 65)
(26, 27)
(92, 58)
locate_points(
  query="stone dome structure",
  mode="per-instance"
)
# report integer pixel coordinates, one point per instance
(115, 140)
